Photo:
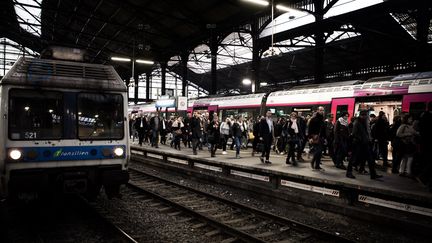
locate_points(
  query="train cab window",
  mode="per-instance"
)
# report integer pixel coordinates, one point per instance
(35, 115)
(100, 116)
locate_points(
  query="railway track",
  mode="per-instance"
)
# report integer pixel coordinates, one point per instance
(237, 222)
(110, 223)
(68, 219)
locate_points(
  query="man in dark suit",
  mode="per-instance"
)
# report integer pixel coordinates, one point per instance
(141, 127)
(154, 126)
(266, 135)
(196, 131)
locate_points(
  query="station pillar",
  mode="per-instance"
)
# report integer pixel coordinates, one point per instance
(163, 77)
(148, 76)
(213, 50)
(184, 61)
(256, 59)
(319, 42)
(136, 81)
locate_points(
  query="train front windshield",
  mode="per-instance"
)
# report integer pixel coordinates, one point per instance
(100, 116)
(35, 114)
(53, 115)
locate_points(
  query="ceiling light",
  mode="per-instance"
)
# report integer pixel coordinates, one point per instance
(263, 84)
(121, 59)
(287, 9)
(260, 2)
(246, 81)
(144, 61)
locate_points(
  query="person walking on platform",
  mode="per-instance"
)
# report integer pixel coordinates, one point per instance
(237, 135)
(196, 131)
(316, 132)
(341, 140)
(154, 127)
(362, 149)
(186, 130)
(255, 132)
(302, 136)
(329, 137)
(177, 127)
(292, 128)
(141, 128)
(266, 135)
(396, 144)
(407, 133)
(213, 135)
(164, 130)
(380, 133)
(225, 128)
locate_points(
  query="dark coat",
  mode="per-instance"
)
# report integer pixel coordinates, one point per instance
(360, 134)
(290, 131)
(341, 134)
(317, 126)
(213, 132)
(137, 124)
(236, 130)
(195, 126)
(380, 130)
(264, 130)
(153, 125)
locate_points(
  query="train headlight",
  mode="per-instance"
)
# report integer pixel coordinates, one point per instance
(119, 152)
(15, 154)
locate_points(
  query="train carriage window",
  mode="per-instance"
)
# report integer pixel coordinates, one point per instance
(416, 108)
(340, 109)
(35, 114)
(104, 113)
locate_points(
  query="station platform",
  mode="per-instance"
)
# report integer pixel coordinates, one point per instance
(390, 195)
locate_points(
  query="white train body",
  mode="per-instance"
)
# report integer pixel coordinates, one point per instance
(63, 128)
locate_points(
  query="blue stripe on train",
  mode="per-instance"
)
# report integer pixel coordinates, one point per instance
(40, 154)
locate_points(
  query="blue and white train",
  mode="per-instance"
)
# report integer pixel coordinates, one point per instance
(63, 128)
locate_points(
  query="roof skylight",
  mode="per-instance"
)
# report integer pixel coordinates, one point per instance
(29, 15)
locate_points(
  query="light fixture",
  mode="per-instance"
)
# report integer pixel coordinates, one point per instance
(283, 8)
(121, 59)
(263, 84)
(287, 9)
(118, 151)
(27, 108)
(15, 154)
(260, 2)
(96, 116)
(144, 61)
(247, 81)
(50, 111)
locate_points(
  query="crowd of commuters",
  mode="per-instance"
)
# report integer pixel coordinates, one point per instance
(350, 143)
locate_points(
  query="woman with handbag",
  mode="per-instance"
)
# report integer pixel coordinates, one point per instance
(292, 130)
(213, 135)
(407, 133)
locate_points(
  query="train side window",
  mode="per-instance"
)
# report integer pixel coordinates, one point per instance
(416, 108)
(35, 114)
(105, 113)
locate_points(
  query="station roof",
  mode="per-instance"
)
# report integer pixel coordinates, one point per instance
(381, 36)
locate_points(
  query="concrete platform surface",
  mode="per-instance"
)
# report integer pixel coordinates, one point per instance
(391, 184)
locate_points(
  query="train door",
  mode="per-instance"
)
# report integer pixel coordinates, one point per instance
(415, 104)
(212, 109)
(390, 105)
(340, 105)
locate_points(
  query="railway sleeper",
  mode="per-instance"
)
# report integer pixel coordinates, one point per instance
(213, 233)
(229, 240)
